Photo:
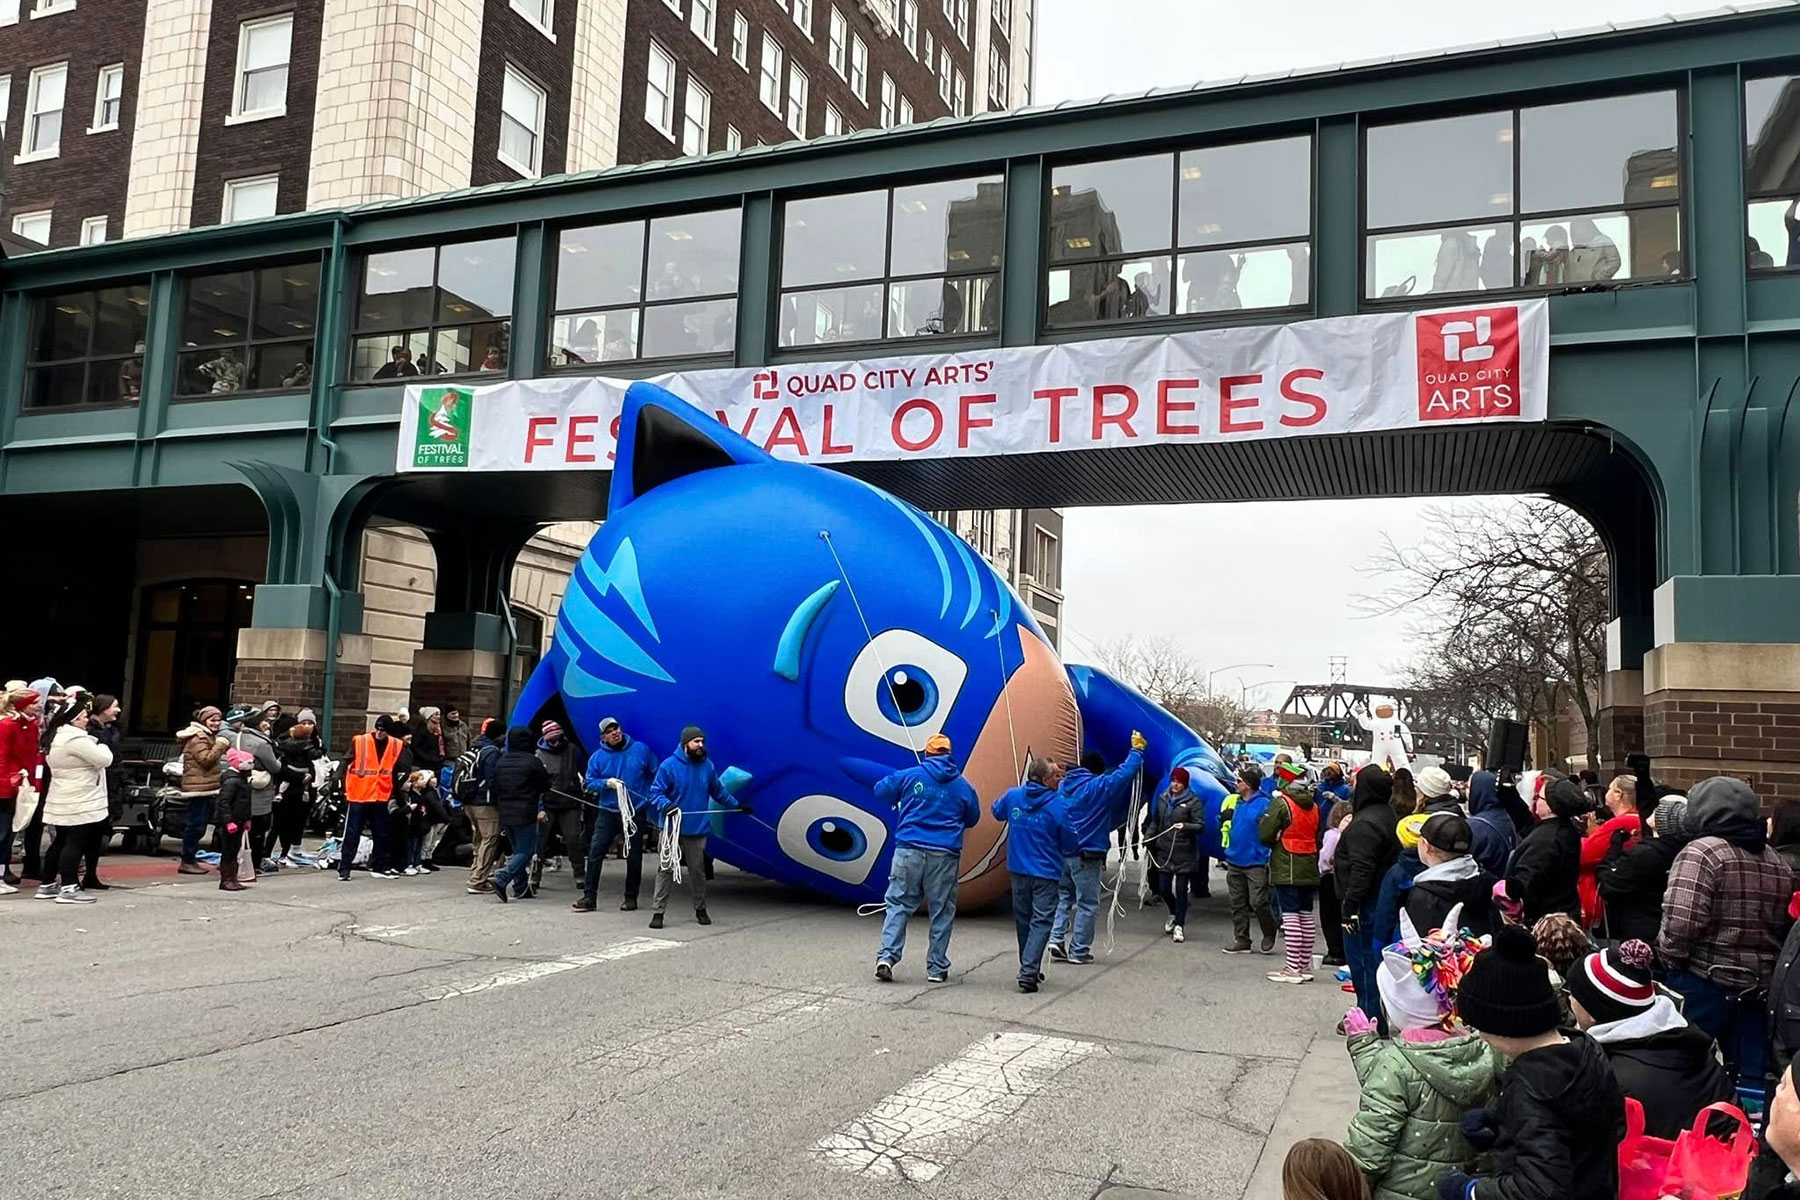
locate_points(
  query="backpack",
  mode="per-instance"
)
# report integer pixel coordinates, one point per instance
(466, 786)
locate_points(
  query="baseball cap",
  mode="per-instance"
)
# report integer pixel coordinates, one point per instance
(1448, 832)
(607, 723)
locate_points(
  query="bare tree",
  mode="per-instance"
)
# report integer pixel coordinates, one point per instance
(1169, 675)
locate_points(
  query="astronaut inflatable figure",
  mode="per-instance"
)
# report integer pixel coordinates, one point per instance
(1392, 740)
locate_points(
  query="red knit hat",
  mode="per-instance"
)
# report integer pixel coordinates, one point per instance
(1179, 775)
(552, 731)
(1613, 984)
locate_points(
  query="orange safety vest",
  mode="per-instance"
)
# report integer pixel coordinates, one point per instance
(1301, 834)
(370, 779)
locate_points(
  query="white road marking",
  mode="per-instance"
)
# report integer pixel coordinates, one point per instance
(630, 948)
(926, 1126)
(388, 931)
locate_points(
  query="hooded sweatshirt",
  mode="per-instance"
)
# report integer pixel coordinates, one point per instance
(1665, 1064)
(1094, 805)
(691, 786)
(563, 765)
(1037, 836)
(1407, 1131)
(1560, 1118)
(1394, 892)
(1240, 820)
(1727, 900)
(1544, 869)
(1494, 834)
(1436, 890)
(936, 804)
(1368, 846)
(518, 780)
(632, 763)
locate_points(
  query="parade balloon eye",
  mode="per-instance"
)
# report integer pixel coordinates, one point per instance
(902, 687)
(831, 837)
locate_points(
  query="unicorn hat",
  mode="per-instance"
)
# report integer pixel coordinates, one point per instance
(1418, 974)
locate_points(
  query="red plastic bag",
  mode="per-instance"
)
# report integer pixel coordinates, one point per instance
(1704, 1165)
(1643, 1160)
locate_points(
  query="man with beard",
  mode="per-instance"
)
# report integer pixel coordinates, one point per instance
(688, 784)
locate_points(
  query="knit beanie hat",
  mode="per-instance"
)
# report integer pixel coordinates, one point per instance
(689, 733)
(1561, 940)
(1614, 984)
(1506, 991)
(1671, 819)
(1408, 830)
(1433, 782)
(1179, 775)
(551, 731)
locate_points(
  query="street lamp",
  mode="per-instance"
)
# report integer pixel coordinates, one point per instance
(1229, 667)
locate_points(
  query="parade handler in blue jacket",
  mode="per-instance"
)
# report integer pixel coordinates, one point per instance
(1247, 861)
(1038, 839)
(936, 804)
(1094, 803)
(686, 781)
(633, 764)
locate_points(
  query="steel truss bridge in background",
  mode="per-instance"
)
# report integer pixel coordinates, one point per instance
(1320, 715)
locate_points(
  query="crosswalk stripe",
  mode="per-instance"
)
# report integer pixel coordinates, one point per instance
(527, 972)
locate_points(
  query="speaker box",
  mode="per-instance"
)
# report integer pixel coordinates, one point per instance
(1507, 742)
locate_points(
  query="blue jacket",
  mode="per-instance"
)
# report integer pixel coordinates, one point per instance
(1243, 845)
(1396, 889)
(634, 762)
(1038, 838)
(1492, 833)
(936, 804)
(694, 788)
(1326, 795)
(1094, 805)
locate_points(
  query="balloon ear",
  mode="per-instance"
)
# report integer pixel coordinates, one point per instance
(663, 438)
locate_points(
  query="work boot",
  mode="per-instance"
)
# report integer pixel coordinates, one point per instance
(700, 916)
(630, 904)
(191, 868)
(1241, 946)
(1267, 947)
(585, 904)
(231, 885)
(656, 921)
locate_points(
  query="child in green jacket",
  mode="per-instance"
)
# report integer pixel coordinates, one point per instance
(1407, 1132)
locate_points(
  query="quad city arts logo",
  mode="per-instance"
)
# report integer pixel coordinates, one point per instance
(442, 436)
(765, 385)
(1469, 365)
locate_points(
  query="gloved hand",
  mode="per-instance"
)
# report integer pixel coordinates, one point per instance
(1512, 910)
(1137, 741)
(1353, 923)
(1357, 1021)
(1479, 1129)
(1456, 1186)
(231, 827)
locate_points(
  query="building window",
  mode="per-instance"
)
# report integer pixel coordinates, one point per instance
(44, 112)
(88, 348)
(1046, 558)
(889, 92)
(248, 331)
(1204, 231)
(740, 40)
(1771, 172)
(959, 100)
(909, 26)
(1003, 16)
(944, 72)
(769, 82)
(798, 86)
(1595, 197)
(248, 199)
(665, 288)
(522, 105)
(9, 12)
(836, 47)
(49, 8)
(915, 261)
(704, 21)
(906, 111)
(33, 226)
(5, 104)
(859, 69)
(659, 91)
(540, 13)
(734, 138)
(674, 6)
(999, 90)
(962, 20)
(262, 68)
(803, 17)
(93, 231)
(441, 310)
(108, 90)
(928, 54)
(834, 121)
(696, 124)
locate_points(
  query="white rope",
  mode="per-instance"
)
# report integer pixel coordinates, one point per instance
(911, 742)
(1006, 694)
(1114, 909)
(627, 814)
(668, 850)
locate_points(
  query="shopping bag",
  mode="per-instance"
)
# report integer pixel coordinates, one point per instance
(246, 859)
(1704, 1164)
(1643, 1160)
(26, 806)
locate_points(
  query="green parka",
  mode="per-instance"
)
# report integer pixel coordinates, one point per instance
(1407, 1132)
(1286, 868)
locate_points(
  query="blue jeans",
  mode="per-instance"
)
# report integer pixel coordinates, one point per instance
(524, 845)
(196, 819)
(608, 826)
(1077, 904)
(1738, 1023)
(1034, 905)
(1363, 950)
(375, 817)
(921, 874)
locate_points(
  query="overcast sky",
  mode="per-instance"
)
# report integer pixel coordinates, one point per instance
(1139, 570)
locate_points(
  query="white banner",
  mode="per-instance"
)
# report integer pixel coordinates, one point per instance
(1337, 375)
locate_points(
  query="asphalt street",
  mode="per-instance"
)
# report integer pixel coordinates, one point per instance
(400, 1038)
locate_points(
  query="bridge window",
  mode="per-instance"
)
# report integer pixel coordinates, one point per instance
(1205, 231)
(1551, 196)
(917, 261)
(665, 288)
(1772, 171)
(249, 331)
(436, 310)
(88, 348)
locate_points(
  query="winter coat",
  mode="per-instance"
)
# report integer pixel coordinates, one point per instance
(1176, 852)
(1594, 847)
(202, 759)
(1560, 1118)
(233, 804)
(1543, 870)
(1725, 906)
(1407, 1131)
(1436, 890)
(1391, 897)
(694, 788)
(1366, 849)
(77, 792)
(1784, 1004)
(936, 804)
(1665, 1064)
(108, 736)
(1632, 879)
(266, 773)
(633, 763)
(563, 764)
(1038, 836)
(1494, 836)
(1240, 830)
(427, 748)
(1093, 805)
(1286, 868)
(297, 758)
(18, 752)
(517, 780)
(457, 738)
(1325, 795)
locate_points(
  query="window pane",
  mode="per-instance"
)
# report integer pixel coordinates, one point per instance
(396, 290)
(695, 254)
(851, 314)
(50, 89)
(1645, 244)
(600, 265)
(517, 141)
(218, 309)
(475, 279)
(1226, 280)
(519, 100)
(53, 387)
(287, 301)
(1774, 234)
(1771, 118)
(389, 355)
(957, 304)
(287, 365)
(1620, 150)
(120, 320)
(1114, 291)
(595, 337)
(1459, 167)
(249, 199)
(267, 44)
(469, 348)
(215, 372)
(834, 238)
(689, 330)
(1246, 193)
(952, 226)
(265, 89)
(63, 326)
(1474, 258)
(1107, 208)
(119, 381)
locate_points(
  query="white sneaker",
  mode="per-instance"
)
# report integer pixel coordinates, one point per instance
(7, 889)
(1286, 976)
(1178, 935)
(1169, 925)
(73, 895)
(46, 891)
(410, 871)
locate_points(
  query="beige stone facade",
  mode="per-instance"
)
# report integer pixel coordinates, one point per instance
(594, 95)
(172, 80)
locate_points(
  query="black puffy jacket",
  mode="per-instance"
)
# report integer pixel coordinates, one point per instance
(1632, 880)
(1430, 901)
(233, 803)
(1368, 845)
(1673, 1074)
(518, 780)
(1561, 1118)
(1544, 869)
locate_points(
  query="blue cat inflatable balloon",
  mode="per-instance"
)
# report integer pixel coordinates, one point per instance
(818, 629)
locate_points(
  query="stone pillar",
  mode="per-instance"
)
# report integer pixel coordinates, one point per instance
(1725, 708)
(281, 656)
(462, 665)
(1621, 719)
